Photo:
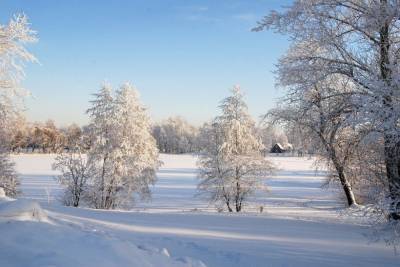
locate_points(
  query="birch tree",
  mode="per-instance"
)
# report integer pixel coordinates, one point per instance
(13, 54)
(213, 171)
(123, 152)
(359, 40)
(323, 113)
(138, 149)
(232, 167)
(102, 150)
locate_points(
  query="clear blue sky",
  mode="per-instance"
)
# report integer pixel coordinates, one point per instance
(183, 56)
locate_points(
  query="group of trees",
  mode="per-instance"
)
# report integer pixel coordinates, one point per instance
(115, 157)
(175, 135)
(122, 159)
(106, 163)
(44, 137)
(342, 74)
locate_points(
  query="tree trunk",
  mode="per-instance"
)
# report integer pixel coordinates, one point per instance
(351, 200)
(392, 145)
(392, 162)
(102, 181)
(348, 191)
(227, 199)
(238, 208)
(229, 206)
(238, 191)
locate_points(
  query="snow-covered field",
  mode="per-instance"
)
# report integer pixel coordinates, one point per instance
(300, 225)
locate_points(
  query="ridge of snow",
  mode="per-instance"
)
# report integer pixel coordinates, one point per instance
(21, 210)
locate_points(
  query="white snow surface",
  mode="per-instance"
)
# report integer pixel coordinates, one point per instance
(21, 210)
(301, 224)
(2, 193)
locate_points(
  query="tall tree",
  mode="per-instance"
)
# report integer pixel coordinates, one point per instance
(213, 172)
(232, 167)
(322, 112)
(13, 38)
(359, 40)
(123, 152)
(138, 149)
(102, 150)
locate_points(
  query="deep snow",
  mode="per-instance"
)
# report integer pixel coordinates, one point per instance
(300, 225)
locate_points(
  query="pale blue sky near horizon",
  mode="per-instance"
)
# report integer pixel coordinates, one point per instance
(182, 56)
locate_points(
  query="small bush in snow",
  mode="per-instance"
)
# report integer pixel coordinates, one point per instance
(75, 172)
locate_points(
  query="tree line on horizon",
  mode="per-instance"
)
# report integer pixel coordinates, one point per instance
(174, 135)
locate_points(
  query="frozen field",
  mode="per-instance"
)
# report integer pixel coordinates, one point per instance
(300, 225)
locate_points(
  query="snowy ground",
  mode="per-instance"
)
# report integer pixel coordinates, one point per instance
(300, 225)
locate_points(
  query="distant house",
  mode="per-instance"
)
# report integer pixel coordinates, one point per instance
(278, 148)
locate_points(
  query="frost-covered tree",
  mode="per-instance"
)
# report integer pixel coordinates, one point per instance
(102, 150)
(359, 41)
(13, 38)
(46, 137)
(123, 152)
(366, 170)
(213, 172)
(73, 135)
(75, 173)
(8, 176)
(322, 112)
(138, 150)
(19, 139)
(8, 116)
(175, 135)
(232, 166)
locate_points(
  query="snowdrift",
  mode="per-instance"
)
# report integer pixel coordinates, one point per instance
(30, 238)
(20, 210)
(25, 243)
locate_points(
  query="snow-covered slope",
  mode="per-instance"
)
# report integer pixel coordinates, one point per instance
(25, 243)
(300, 225)
(21, 210)
(29, 238)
